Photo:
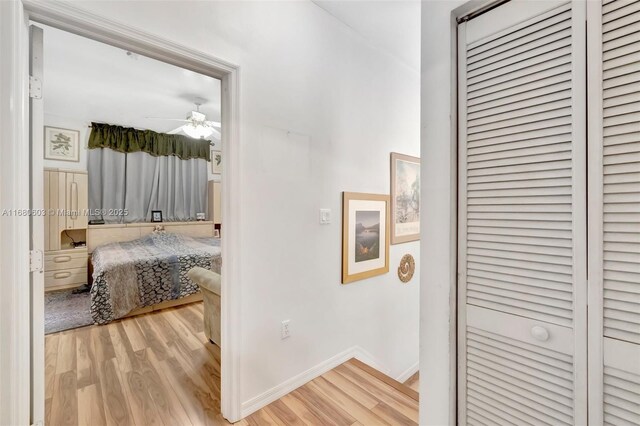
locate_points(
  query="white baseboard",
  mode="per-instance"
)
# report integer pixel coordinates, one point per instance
(277, 392)
(408, 373)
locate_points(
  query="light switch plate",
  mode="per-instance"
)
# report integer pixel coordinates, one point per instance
(325, 216)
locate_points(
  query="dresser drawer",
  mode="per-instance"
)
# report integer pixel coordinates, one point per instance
(65, 278)
(65, 259)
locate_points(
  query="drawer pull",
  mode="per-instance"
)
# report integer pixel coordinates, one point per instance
(540, 333)
(60, 275)
(61, 259)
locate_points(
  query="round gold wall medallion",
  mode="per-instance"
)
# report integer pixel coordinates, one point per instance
(407, 268)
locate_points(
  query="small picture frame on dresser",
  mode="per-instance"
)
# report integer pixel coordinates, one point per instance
(156, 216)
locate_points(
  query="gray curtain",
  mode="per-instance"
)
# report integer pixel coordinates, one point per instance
(107, 171)
(140, 183)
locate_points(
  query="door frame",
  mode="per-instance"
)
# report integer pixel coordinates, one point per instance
(77, 21)
(466, 11)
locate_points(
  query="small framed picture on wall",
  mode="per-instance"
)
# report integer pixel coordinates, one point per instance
(61, 144)
(216, 162)
(405, 198)
(156, 215)
(365, 236)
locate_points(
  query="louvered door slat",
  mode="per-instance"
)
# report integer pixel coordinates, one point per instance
(537, 96)
(520, 191)
(525, 37)
(622, 113)
(621, 382)
(621, 11)
(615, 214)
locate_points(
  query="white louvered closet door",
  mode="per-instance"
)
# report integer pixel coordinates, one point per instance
(522, 216)
(614, 240)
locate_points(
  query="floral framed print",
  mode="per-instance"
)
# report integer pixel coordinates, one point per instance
(405, 198)
(216, 162)
(61, 144)
(365, 236)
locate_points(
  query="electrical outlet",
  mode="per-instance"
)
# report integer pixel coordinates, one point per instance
(284, 329)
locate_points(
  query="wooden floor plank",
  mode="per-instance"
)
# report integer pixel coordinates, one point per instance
(391, 415)
(85, 358)
(301, 410)
(134, 334)
(154, 341)
(64, 403)
(261, 418)
(193, 393)
(414, 382)
(323, 405)
(50, 358)
(47, 411)
(163, 392)
(116, 406)
(159, 368)
(350, 405)
(66, 352)
(137, 393)
(384, 378)
(181, 330)
(381, 391)
(282, 414)
(90, 407)
(160, 324)
(358, 393)
(102, 342)
(118, 337)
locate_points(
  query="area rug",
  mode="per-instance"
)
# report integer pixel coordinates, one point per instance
(66, 309)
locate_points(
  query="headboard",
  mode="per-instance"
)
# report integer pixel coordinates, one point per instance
(104, 234)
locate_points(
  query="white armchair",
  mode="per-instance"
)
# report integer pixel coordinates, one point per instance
(209, 283)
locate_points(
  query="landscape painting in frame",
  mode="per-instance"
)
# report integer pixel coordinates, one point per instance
(405, 198)
(61, 144)
(365, 235)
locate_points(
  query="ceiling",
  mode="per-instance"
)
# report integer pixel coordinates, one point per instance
(390, 25)
(89, 81)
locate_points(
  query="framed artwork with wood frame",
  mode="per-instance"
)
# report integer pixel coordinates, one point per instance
(405, 198)
(365, 236)
(61, 144)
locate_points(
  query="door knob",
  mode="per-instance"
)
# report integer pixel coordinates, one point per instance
(540, 333)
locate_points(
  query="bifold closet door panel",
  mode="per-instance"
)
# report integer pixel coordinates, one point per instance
(614, 334)
(522, 215)
(621, 169)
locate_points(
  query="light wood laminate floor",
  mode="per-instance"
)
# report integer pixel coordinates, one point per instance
(413, 382)
(159, 369)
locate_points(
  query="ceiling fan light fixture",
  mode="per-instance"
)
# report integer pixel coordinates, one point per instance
(198, 131)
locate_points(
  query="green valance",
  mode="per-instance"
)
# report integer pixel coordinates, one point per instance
(128, 139)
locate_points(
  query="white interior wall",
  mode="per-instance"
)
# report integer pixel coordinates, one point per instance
(321, 111)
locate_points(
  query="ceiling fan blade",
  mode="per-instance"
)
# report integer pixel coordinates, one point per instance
(216, 133)
(168, 119)
(213, 124)
(174, 131)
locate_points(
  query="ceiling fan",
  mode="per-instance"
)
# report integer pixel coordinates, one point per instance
(196, 125)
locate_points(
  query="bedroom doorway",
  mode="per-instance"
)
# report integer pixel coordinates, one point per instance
(141, 335)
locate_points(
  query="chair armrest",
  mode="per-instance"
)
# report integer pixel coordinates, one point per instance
(207, 280)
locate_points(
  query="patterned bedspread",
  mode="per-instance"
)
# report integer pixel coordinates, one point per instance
(147, 271)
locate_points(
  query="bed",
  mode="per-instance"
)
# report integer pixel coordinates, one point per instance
(147, 271)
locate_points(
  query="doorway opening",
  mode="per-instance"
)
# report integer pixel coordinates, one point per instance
(95, 341)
